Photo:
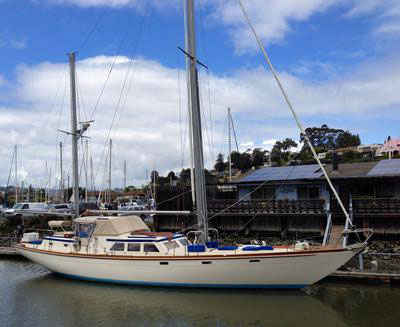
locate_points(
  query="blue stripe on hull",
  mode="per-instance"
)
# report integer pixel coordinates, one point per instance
(143, 283)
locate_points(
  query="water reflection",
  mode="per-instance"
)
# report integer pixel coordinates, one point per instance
(31, 295)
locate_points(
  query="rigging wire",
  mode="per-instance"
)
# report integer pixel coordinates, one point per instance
(83, 44)
(208, 80)
(245, 197)
(113, 64)
(206, 125)
(124, 83)
(299, 125)
(180, 108)
(234, 134)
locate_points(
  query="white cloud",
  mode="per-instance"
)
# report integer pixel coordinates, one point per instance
(386, 14)
(140, 4)
(271, 19)
(8, 41)
(148, 128)
(247, 144)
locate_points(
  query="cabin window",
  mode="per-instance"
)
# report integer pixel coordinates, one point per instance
(171, 245)
(118, 247)
(150, 248)
(133, 247)
(184, 241)
(84, 230)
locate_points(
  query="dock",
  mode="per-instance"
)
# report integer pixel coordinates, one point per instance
(365, 276)
(8, 251)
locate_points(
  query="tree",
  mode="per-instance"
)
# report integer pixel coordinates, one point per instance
(172, 176)
(325, 138)
(154, 176)
(346, 139)
(242, 161)
(220, 164)
(259, 156)
(281, 151)
(130, 188)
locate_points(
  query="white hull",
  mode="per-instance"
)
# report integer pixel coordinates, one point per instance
(276, 271)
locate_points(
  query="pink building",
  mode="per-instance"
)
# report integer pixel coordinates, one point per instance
(391, 147)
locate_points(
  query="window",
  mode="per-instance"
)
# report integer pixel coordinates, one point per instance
(171, 245)
(184, 241)
(263, 193)
(84, 230)
(150, 248)
(313, 192)
(385, 190)
(118, 247)
(302, 192)
(307, 192)
(134, 247)
(25, 206)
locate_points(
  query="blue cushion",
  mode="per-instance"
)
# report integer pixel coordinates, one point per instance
(212, 245)
(228, 248)
(257, 248)
(196, 248)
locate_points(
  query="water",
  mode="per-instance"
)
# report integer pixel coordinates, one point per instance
(32, 296)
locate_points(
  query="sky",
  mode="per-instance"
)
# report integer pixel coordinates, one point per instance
(337, 60)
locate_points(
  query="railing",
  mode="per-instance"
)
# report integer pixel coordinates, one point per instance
(8, 242)
(267, 207)
(361, 207)
(376, 206)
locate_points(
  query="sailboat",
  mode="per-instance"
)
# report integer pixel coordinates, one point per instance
(123, 249)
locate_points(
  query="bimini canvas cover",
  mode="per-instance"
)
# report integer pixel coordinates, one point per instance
(119, 225)
(59, 223)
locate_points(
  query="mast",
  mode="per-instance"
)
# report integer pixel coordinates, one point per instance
(200, 185)
(49, 181)
(230, 150)
(91, 175)
(154, 182)
(61, 176)
(46, 191)
(124, 175)
(86, 170)
(189, 105)
(74, 134)
(16, 175)
(109, 174)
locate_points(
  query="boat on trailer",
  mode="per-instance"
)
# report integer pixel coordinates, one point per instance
(124, 250)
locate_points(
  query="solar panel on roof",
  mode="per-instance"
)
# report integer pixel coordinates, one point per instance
(386, 167)
(283, 173)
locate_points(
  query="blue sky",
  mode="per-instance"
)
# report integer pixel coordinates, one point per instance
(337, 59)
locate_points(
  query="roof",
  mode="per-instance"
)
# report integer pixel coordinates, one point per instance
(388, 168)
(115, 225)
(349, 170)
(283, 173)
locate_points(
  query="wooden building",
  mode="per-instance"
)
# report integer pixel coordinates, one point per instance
(292, 201)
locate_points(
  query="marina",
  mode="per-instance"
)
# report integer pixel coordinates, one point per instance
(199, 163)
